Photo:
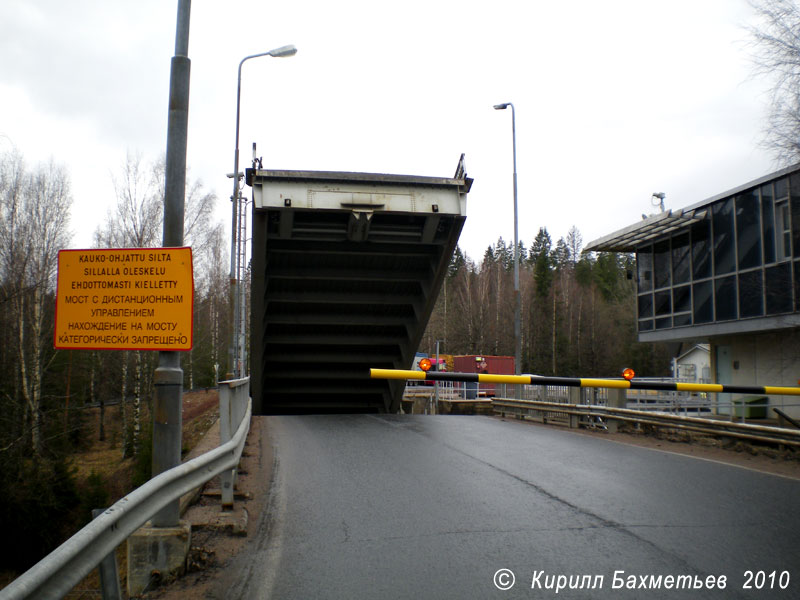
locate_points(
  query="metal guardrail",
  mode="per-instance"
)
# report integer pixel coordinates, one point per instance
(761, 433)
(58, 572)
(783, 417)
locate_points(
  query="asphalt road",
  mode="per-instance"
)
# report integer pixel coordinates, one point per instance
(432, 507)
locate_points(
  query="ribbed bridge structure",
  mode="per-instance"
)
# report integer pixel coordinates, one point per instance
(346, 269)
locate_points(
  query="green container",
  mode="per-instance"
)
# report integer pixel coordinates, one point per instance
(753, 407)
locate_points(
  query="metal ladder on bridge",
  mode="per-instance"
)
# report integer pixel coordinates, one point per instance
(241, 270)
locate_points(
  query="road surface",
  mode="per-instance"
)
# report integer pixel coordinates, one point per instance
(402, 506)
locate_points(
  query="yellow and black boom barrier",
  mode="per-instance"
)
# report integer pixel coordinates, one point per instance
(623, 384)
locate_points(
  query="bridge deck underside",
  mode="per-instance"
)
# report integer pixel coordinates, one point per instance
(326, 308)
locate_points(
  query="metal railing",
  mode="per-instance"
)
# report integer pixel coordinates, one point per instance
(583, 414)
(454, 390)
(672, 402)
(58, 572)
(448, 391)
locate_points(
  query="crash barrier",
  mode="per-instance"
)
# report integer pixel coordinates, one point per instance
(58, 572)
(583, 414)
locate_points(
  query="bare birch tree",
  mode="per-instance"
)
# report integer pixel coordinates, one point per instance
(133, 222)
(776, 44)
(34, 220)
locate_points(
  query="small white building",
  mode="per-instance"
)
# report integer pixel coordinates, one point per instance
(693, 365)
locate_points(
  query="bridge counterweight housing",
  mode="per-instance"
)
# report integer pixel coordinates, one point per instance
(346, 269)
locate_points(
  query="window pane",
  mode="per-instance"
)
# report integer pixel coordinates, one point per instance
(768, 222)
(795, 215)
(781, 189)
(680, 259)
(681, 299)
(725, 298)
(663, 301)
(701, 249)
(783, 232)
(661, 264)
(645, 306)
(748, 230)
(797, 286)
(703, 296)
(722, 220)
(751, 302)
(646, 325)
(681, 320)
(664, 323)
(779, 289)
(644, 260)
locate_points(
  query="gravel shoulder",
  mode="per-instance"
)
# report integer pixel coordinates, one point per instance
(217, 536)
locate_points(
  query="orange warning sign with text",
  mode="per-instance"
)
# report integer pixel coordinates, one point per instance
(127, 299)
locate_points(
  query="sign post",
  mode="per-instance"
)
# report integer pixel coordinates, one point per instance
(168, 376)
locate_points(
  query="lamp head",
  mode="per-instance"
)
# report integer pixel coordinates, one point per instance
(501, 106)
(283, 51)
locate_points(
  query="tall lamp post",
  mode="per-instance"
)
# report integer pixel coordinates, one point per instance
(517, 305)
(235, 351)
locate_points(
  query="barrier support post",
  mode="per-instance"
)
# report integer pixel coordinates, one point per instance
(617, 398)
(109, 574)
(574, 398)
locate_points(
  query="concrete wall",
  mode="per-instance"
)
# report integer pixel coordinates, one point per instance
(769, 359)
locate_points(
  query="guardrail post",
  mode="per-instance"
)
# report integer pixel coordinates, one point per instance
(574, 398)
(109, 575)
(226, 420)
(617, 398)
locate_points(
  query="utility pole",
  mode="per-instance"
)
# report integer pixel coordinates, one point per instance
(168, 402)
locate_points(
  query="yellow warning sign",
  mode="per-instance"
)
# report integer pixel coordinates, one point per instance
(126, 299)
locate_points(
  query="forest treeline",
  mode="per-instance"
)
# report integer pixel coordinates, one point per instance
(578, 309)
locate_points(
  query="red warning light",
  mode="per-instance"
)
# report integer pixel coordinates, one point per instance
(425, 364)
(628, 374)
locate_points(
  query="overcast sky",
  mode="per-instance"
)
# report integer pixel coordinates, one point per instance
(615, 100)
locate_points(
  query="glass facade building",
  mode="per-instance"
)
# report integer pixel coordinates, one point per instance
(725, 271)
(732, 259)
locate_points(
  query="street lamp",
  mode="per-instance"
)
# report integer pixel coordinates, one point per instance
(236, 353)
(517, 306)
